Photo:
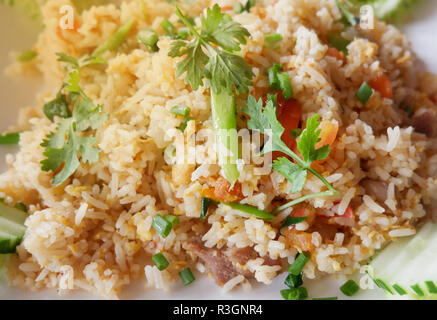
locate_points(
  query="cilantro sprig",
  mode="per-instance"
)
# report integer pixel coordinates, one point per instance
(263, 119)
(209, 59)
(73, 141)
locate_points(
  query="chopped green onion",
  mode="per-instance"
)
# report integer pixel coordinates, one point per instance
(293, 281)
(364, 92)
(10, 138)
(251, 210)
(160, 261)
(299, 263)
(338, 42)
(418, 290)
(290, 221)
(186, 276)
(409, 110)
(327, 298)
(349, 288)
(238, 8)
(170, 155)
(172, 219)
(115, 40)
(27, 55)
(295, 133)
(273, 76)
(381, 284)
(181, 111)
(431, 287)
(285, 85)
(294, 294)
(349, 16)
(271, 40)
(149, 38)
(399, 289)
(161, 225)
(21, 206)
(183, 33)
(168, 27)
(206, 202)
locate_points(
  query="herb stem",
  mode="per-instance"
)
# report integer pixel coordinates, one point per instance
(304, 198)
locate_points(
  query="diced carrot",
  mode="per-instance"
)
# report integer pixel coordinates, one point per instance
(301, 240)
(382, 85)
(59, 31)
(221, 191)
(289, 113)
(328, 133)
(227, 8)
(333, 52)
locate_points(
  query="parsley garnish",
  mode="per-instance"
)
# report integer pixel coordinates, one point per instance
(264, 120)
(72, 140)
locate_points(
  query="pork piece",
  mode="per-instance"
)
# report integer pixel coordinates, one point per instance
(225, 264)
(376, 189)
(425, 121)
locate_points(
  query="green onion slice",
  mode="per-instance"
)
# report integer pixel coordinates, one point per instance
(161, 225)
(149, 38)
(10, 138)
(349, 288)
(294, 294)
(172, 219)
(27, 55)
(364, 92)
(327, 298)
(299, 263)
(206, 202)
(290, 221)
(186, 276)
(293, 281)
(271, 40)
(251, 210)
(160, 261)
(285, 85)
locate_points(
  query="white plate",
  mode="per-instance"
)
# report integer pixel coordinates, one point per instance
(18, 34)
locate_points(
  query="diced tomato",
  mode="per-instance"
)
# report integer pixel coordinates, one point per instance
(227, 8)
(289, 113)
(348, 214)
(328, 134)
(382, 85)
(301, 240)
(76, 25)
(333, 52)
(221, 191)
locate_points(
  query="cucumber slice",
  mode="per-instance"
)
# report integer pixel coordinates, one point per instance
(11, 227)
(12, 214)
(409, 265)
(8, 242)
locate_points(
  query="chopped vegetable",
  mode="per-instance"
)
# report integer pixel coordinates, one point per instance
(206, 202)
(293, 281)
(184, 112)
(382, 85)
(27, 55)
(160, 261)
(251, 210)
(327, 298)
(298, 264)
(21, 206)
(239, 8)
(168, 27)
(149, 38)
(172, 219)
(161, 225)
(399, 268)
(183, 33)
(290, 221)
(347, 15)
(115, 40)
(264, 119)
(338, 42)
(10, 138)
(349, 288)
(12, 228)
(285, 85)
(389, 10)
(328, 134)
(273, 76)
(186, 276)
(294, 294)
(364, 93)
(295, 133)
(208, 56)
(272, 40)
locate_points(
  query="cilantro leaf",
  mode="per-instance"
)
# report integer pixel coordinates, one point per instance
(294, 173)
(57, 107)
(308, 140)
(87, 115)
(207, 54)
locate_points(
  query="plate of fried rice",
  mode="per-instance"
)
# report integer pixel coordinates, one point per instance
(226, 149)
